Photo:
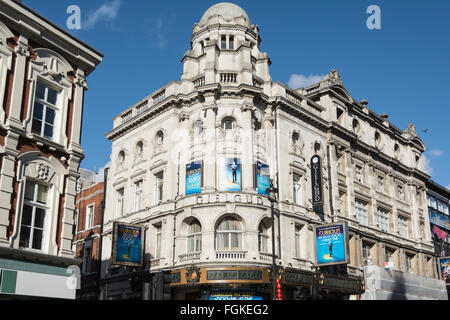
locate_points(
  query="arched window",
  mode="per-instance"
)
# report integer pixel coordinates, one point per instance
(160, 138)
(229, 123)
(356, 126)
(139, 148)
(377, 139)
(263, 238)
(121, 157)
(229, 235)
(194, 237)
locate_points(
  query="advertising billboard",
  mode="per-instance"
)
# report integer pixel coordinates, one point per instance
(193, 178)
(331, 244)
(444, 268)
(230, 174)
(262, 178)
(128, 245)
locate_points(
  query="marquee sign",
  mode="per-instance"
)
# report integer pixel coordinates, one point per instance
(128, 245)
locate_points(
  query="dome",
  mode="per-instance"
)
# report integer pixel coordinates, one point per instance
(227, 11)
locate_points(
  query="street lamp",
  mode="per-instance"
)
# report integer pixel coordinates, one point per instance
(272, 193)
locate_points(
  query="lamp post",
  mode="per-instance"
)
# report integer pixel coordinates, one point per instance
(272, 192)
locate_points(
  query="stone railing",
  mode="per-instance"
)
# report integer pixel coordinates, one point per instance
(160, 96)
(291, 96)
(228, 78)
(199, 82)
(230, 255)
(190, 257)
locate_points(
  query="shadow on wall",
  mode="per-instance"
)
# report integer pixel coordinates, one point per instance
(399, 288)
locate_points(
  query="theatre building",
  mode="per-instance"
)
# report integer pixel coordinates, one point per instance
(191, 163)
(43, 72)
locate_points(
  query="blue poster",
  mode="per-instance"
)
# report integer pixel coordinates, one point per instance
(331, 245)
(262, 178)
(444, 266)
(193, 178)
(230, 175)
(128, 246)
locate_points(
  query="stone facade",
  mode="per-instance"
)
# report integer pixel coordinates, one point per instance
(43, 74)
(227, 106)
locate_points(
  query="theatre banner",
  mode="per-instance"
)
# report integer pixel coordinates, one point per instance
(262, 178)
(444, 268)
(331, 244)
(230, 174)
(316, 181)
(194, 178)
(128, 245)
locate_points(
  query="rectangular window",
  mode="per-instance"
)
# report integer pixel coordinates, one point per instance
(120, 199)
(223, 42)
(383, 220)
(359, 174)
(75, 222)
(390, 254)
(138, 196)
(403, 227)
(367, 254)
(90, 217)
(87, 258)
(33, 216)
(400, 193)
(297, 189)
(380, 183)
(44, 112)
(298, 229)
(158, 242)
(361, 212)
(409, 263)
(231, 47)
(433, 203)
(159, 187)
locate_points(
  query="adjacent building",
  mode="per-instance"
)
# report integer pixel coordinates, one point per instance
(43, 72)
(191, 162)
(87, 229)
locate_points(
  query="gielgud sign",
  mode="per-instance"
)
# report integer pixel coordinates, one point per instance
(316, 180)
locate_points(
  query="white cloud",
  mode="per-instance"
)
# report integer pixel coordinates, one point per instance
(436, 153)
(300, 81)
(448, 187)
(427, 166)
(160, 31)
(107, 12)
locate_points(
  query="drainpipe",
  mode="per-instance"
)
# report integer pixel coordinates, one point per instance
(278, 181)
(100, 246)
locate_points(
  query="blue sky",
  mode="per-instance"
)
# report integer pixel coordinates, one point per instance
(402, 69)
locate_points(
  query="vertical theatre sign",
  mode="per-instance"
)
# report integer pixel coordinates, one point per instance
(193, 178)
(331, 244)
(316, 180)
(128, 245)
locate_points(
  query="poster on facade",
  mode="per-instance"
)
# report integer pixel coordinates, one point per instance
(316, 181)
(262, 178)
(230, 174)
(331, 244)
(444, 267)
(193, 178)
(440, 220)
(128, 245)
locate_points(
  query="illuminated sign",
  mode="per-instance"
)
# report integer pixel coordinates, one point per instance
(331, 244)
(128, 245)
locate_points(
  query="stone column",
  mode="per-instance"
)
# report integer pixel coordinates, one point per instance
(80, 87)
(210, 108)
(247, 148)
(184, 148)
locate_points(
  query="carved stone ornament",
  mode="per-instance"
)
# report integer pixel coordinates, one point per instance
(41, 171)
(334, 77)
(193, 275)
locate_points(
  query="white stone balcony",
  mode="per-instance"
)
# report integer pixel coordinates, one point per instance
(231, 255)
(189, 257)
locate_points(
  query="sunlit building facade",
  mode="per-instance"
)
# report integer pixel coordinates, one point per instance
(211, 233)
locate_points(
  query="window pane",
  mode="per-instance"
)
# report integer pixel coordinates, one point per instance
(52, 96)
(26, 215)
(222, 241)
(39, 218)
(36, 126)
(38, 112)
(37, 239)
(24, 237)
(40, 91)
(236, 241)
(29, 190)
(50, 116)
(42, 193)
(191, 244)
(48, 131)
(198, 243)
